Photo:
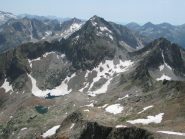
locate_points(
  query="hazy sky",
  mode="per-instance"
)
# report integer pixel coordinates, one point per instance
(122, 11)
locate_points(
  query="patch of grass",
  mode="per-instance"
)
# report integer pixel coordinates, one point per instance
(123, 119)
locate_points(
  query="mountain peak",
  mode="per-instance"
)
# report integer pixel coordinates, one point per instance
(162, 40)
(149, 24)
(95, 17)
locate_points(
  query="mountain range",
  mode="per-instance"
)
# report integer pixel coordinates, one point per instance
(94, 80)
(153, 31)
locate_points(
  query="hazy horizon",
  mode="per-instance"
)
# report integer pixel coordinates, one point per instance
(120, 11)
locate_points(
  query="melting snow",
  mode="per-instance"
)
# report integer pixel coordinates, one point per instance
(93, 23)
(104, 106)
(109, 69)
(165, 62)
(103, 89)
(48, 33)
(121, 126)
(23, 128)
(51, 131)
(45, 55)
(110, 36)
(172, 133)
(105, 29)
(146, 108)
(73, 28)
(6, 85)
(86, 110)
(90, 105)
(86, 85)
(123, 97)
(150, 119)
(72, 125)
(48, 53)
(164, 77)
(161, 67)
(62, 89)
(115, 109)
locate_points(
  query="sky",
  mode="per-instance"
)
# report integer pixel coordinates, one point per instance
(120, 11)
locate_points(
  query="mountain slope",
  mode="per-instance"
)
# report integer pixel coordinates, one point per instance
(89, 82)
(5, 16)
(18, 31)
(166, 30)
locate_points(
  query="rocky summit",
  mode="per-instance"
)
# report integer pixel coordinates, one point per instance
(91, 79)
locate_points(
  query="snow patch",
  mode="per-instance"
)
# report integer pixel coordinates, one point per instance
(111, 37)
(86, 110)
(105, 29)
(48, 33)
(73, 28)
(60, 90)
(146, 108)
(161, 67)
(86, 85)
(172, 133)
(168, 66)
(22, 129)
(72, 125)
(108, 72)
(101, 90)
(104, 106)
(123, 97)
(7, 86)
(164, 77)
(90, 105)
(150, 119)
(48, 53)
(94, 23)
(44, 56)
(51, 131)
(120, 126)
(115, 109)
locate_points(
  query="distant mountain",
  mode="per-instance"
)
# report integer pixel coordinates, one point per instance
(42, 17)
(5, 16)
(133, 26)
(152, 31)
(17, 31)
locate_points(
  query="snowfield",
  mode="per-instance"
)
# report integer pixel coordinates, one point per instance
(51, 131)
(164, 77)
(73, 28)
(109, 69)
(115, 109)
(150, 119)
(60, 90)
(7, 86)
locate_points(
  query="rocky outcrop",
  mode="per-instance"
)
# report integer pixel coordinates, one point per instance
(83, 129)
